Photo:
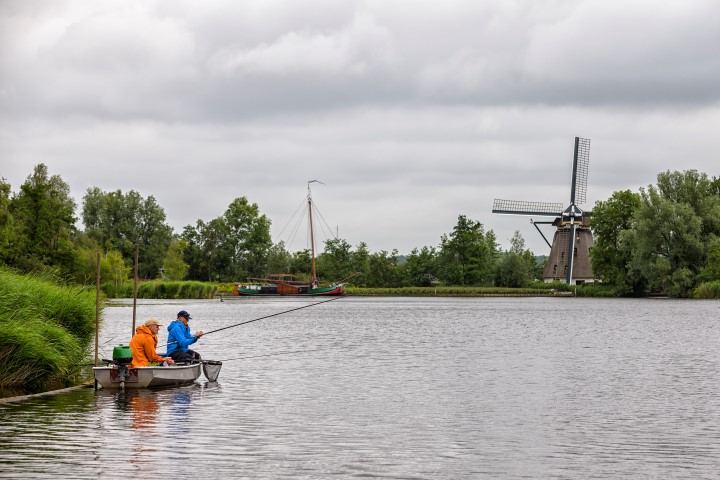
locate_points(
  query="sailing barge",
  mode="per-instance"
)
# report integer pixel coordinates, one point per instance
(285, 284)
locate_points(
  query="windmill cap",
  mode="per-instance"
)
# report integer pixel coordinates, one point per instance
(184, 314)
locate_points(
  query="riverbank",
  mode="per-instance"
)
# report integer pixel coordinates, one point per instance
(47, 330)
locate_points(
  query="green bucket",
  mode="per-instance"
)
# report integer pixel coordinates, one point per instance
(122, 352)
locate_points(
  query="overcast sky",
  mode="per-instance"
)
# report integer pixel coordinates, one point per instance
(410, 112)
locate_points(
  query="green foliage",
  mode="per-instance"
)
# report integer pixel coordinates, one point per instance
(711, 271)
(159, 289)
(663, 240)
(120, 221)
(467, 256)
(708, 290)
(230, 247)
(668, 249)
(609, 220)
(42, 223)
(46, 331)
(336, 262)
(421, 267)
(174, 268)
(518, 267)
(279, 260)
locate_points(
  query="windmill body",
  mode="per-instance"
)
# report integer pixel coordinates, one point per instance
(569, 258)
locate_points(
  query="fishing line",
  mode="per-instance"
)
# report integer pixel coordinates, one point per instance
(263, 318)
(271, 354)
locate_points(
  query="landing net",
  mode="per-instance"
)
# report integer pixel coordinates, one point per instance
(211, 369)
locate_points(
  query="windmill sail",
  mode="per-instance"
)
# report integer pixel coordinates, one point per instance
(581, 162)
(573, 239)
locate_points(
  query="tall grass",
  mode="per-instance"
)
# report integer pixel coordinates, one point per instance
(160, 289)
(46, 331)
(708, 290)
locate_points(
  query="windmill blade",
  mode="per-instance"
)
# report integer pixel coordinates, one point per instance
(571, 254)
(520, 207)
(581, 161)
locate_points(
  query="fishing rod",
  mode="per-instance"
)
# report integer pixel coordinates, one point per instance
(266, 316)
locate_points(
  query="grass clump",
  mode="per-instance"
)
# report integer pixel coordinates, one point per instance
(47, 330)
(708, 290)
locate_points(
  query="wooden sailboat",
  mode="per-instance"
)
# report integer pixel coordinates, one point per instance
(285, 284)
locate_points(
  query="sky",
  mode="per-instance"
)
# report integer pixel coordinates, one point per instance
(410, 113)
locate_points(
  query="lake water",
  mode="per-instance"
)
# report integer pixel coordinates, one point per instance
(440, 388)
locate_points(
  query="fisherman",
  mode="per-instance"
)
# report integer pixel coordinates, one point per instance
(179, 338)
(144, 345)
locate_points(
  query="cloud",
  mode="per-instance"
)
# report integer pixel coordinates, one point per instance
(412, 114)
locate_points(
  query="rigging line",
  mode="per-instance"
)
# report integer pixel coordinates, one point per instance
(270, 354)
(296, 229)
(302, 204)
(262, 318)
(324, 225)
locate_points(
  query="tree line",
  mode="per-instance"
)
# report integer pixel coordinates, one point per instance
(39, 231)
(663, 238)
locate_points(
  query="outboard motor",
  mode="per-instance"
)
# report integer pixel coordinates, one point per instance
(122, 358)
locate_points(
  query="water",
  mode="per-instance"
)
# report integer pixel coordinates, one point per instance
(400, 388)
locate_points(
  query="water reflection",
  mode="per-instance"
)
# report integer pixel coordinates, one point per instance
(405, 388)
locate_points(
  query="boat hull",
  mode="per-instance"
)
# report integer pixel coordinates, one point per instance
(147, 377)
(287, 290)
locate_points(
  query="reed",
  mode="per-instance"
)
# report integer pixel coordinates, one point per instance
(708, 290)
(176, 290)
(47, 330)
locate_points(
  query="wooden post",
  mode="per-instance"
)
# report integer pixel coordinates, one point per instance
(97, 312)
(135, 288)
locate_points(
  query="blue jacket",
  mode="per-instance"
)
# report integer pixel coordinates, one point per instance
(179, 337)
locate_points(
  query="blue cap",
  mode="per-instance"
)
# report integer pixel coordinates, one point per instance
(183, 313)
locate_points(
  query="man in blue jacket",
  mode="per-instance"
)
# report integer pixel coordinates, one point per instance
(179, 338)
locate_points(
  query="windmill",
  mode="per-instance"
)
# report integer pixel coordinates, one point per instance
(570, 250)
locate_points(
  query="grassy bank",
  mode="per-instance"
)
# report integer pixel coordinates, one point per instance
(536, 290)
(46, 332)
(159, 289)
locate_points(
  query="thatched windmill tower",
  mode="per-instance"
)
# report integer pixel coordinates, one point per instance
(570, 250)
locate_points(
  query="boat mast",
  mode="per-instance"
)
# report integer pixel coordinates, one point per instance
(312, 235)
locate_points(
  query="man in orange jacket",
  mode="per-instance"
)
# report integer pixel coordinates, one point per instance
(144, 345)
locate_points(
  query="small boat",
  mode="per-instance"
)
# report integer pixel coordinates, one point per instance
(285, 284)
(121, 376)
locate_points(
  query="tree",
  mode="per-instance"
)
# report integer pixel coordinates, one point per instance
(384, 270)
(421, 267)
(336, 262)
(230, 247)
(279, 260)
(467, 256)
(248, 238)
(609, 261)
(174, 268)
(8, 241)
(668, 248)
(118, 221)
(361, 265)
(43, 216)
(516, 268)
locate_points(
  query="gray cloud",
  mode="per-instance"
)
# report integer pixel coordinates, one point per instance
(410, 116)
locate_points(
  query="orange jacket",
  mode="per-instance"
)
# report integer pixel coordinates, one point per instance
(144, 347)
